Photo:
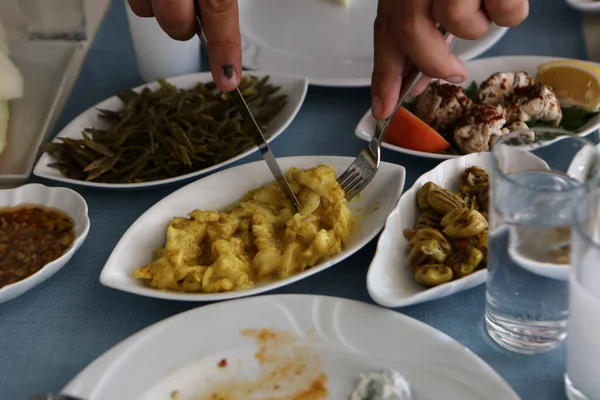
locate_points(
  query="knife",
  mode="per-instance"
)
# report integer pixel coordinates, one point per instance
(258, 136)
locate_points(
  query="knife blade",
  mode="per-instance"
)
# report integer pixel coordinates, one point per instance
(257, 134)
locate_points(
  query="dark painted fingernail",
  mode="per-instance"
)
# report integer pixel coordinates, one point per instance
(228, 71)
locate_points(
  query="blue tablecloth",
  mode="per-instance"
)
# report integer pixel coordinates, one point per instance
(52, 332)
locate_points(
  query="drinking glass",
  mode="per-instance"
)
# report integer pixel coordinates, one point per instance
(583, 343)
(54, 19)
(537, 177)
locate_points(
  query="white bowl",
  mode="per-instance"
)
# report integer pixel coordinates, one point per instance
(66, 200)
(294, 87)
(390, 280)
(478, 71)
(221, 190)
(585, 5)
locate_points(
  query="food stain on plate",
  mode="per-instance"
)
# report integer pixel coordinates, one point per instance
(290, 369)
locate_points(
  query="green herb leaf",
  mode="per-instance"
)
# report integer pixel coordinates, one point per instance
(575, 117)
(471, 90)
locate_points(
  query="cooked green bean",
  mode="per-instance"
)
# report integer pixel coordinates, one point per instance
(166, 132)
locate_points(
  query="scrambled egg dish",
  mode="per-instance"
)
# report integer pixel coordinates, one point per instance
(262, 239)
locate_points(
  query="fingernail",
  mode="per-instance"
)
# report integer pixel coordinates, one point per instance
(376, 106)
(228, 71)
(455, 79)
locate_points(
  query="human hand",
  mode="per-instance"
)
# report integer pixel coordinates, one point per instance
(405, 30)
(221, 27)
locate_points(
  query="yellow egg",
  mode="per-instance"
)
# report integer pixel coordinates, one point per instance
(575, 83)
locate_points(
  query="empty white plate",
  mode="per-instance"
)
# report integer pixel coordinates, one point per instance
(330, 44)
(390, 280)
(294, 87)
(325, 337)
(226, 188)
(478, 71)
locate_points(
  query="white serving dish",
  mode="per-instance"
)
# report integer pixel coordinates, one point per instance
(224, 189)
(585, 5)
(337, 337)
(336, 51)
(390, 280)
(66, 200)
(294, 87)
(47, 67)
(478, 71)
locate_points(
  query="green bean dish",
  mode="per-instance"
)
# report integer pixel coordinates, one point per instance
(450, 238)
(166, 133)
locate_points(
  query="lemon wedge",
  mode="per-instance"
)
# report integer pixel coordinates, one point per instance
(575, 83)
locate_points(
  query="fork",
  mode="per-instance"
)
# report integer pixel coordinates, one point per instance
(363, 169)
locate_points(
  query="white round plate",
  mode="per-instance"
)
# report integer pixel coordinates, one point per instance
(390, 280)
(585, 5)
(64, 199)
(330, 44)
(294, 87)
(330, 336)
(478, 71)
(227, 187)
(518, 251)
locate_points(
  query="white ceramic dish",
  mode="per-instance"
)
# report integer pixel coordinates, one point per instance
(224, 189)
(585, 5)
(66, 200)
(294, 87)
(390, 281)
(334, 337)
(337, 50)
(478, 71)
(578, 169)
(47, 67)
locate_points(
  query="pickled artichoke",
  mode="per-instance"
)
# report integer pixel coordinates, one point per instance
(470, 200)
(424, 234)
(474, 180)
(450, 239)
(483, 199)
(482, 244)
(443, 201)
(427, 252)
(464, 262)
(428, 219)
(463, 223)
(422, 202)
(433, 274)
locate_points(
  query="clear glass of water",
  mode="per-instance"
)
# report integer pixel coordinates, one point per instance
(54, 19)
(583, 343)
(537, 178)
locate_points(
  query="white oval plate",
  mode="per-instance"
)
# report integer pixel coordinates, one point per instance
(337, 49)
(294, 87)
(585, 5)
(339, 331)
(227, 187)
(478, 71)
(66, 200)
(390, 281)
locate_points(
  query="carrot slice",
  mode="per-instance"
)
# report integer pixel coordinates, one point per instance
(408, 131)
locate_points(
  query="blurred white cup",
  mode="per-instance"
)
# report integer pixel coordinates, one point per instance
(158, 55)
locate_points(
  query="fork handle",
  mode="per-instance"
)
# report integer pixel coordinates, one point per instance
(412, 77)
